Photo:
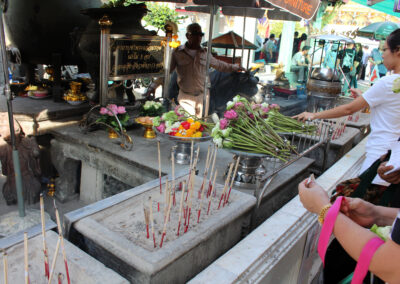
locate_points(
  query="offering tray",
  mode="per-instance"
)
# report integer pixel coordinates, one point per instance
(182, 147)
(148, 129)
(251, 169)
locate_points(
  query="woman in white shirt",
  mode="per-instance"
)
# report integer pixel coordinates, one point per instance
(383, 98)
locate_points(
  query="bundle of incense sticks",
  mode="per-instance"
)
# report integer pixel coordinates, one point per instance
(232, 180)
(46, 257)
(60, 233)
(228, 177)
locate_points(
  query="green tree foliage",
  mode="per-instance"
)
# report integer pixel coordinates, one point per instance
(120, 3)
(159, 14)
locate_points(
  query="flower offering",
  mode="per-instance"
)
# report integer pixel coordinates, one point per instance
(254, 128)
(109, 114)
(178, 123)
(152, 108)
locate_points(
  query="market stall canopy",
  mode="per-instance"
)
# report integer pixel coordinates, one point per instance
(378, 31)
(230, 40)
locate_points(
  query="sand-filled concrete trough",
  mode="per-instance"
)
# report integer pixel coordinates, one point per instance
(116, 235)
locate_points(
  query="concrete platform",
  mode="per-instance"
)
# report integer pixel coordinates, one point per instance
(37, 117)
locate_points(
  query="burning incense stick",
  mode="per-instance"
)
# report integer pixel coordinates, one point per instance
(166, 222)
(173, 176)
(146, 219)
(189, 207)
(53, 264)
(152, 221)
(191, 162)
(26, 258)
(60, 232)
(60, 277)
(5, 267)
(208, 162)
(212, 171)
(212, 189)
(181, 206)
(166, 196)
(228, 177)
(46, 257)
(232, 180)
(159, 164)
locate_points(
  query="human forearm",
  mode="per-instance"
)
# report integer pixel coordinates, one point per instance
(333, 113)
(347, 109)
(385, 261)
(385, 215)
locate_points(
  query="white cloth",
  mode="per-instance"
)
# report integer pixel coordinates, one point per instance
(384, 119)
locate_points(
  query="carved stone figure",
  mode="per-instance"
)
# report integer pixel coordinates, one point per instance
(28, 151)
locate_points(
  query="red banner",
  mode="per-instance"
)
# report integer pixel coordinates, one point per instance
(302, 8)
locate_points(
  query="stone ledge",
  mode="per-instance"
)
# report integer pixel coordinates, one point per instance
(261, 256)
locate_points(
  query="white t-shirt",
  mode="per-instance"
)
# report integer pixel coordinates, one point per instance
(385, 115)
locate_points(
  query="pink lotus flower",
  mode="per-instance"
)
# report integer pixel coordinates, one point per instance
(103, 111)
(113, 109)
(179, 111)
(238, 105)
(121, 110)
(256, 106)
(230, 114)
(275, 106)
(265, 109)
(223, 123)
(161, 127)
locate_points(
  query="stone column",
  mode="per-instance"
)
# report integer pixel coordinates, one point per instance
(67, 183)
(285, 51)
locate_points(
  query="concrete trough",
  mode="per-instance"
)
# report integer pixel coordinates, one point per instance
(82, 267)
(101, 229)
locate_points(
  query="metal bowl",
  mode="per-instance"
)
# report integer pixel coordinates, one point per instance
(325, 74)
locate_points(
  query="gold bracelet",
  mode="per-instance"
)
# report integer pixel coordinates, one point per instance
(322, 213)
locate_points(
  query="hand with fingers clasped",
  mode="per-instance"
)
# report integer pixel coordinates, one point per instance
(305, 116)
(360, 211)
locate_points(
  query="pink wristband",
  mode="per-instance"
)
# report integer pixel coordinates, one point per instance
(327, 228)
(364, 260)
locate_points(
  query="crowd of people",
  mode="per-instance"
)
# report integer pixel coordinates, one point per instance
(357, 61)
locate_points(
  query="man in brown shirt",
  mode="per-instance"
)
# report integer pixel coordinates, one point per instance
(189, 60)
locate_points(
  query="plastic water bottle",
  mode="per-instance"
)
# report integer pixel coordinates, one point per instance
(9, 75)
